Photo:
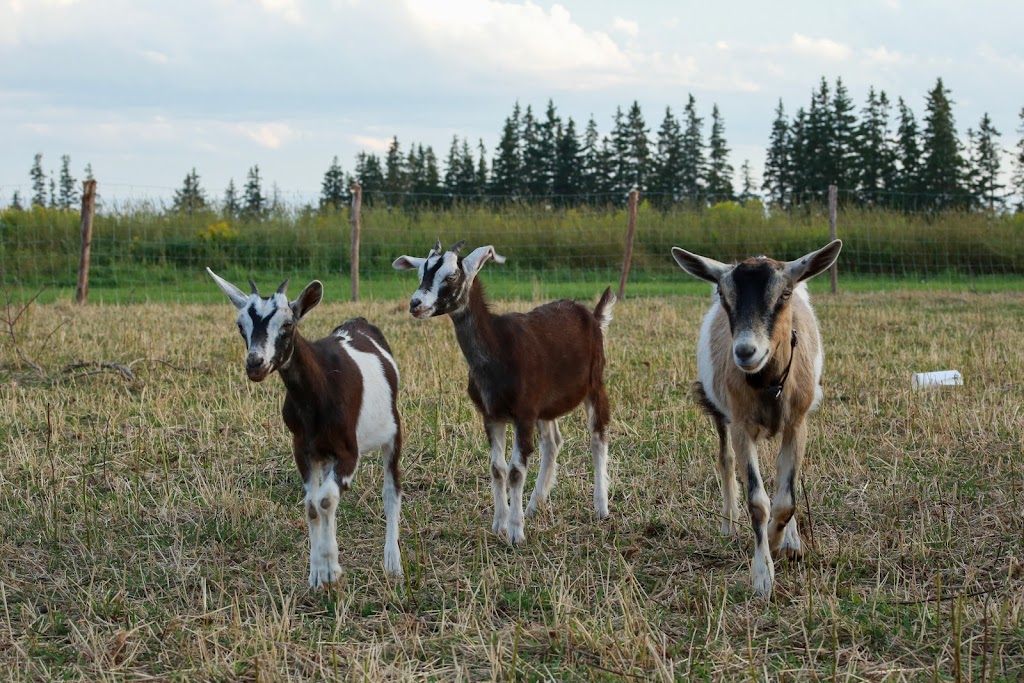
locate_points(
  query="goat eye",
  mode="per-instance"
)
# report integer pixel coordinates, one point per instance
(786, 293)
(452, 278)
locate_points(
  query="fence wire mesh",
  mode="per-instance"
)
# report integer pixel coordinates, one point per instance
(566, 246)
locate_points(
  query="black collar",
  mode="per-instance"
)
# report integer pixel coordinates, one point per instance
(775, 390)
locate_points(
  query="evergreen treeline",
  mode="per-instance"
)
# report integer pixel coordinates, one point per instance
(879, 155)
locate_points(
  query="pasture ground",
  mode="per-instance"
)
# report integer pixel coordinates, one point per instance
(152, 526)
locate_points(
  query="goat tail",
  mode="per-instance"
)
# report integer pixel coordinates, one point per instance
(603, 310)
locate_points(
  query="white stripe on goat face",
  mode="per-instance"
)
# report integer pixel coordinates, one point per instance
(752, 294)
(438, 275)
(260, 321)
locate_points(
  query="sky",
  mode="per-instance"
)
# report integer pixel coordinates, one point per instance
(145, 91)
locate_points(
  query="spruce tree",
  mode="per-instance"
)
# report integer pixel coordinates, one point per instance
(801, 171)
(254, 203)
(370, 175)
(230, 206)
(842, 147)
(638, 150)
(718, 180)
(1017, 180)
(482, 173)
(942, 172)
(985, 188)
(460, 171)
(38, 182)
(190, 197)
(431, 181)
(618, 164)
(333, 191)
(452, 168)
(506, 168)
(566, 185)
(908, 158)
(691, 188)
(16, 202)
(747, 192)
(591, 168)
(68, 191)
(467, 182)
(876, 159)
(777, 183)
(53, 192)
(536, 157)
(395, 173)
(666, 177)
(814, 159)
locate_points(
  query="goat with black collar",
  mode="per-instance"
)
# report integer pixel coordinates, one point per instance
(759, 361)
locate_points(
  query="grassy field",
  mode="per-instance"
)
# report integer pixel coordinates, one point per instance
(152, 525)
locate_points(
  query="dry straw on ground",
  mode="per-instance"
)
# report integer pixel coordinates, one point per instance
(152, 526)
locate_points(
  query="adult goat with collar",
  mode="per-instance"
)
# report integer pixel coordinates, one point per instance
(759, 362)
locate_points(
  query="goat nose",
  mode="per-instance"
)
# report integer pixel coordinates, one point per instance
(745, 351)
(414, 304)
(253, 362)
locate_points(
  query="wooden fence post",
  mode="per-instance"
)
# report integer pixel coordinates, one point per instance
(355, 218)
(88, 210)
(833, 200)
(627, 259)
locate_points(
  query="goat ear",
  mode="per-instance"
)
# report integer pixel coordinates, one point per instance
(814, 263)
(238, 298)
(472, 263)
(407, 263)
(700, 266)
(308, 299)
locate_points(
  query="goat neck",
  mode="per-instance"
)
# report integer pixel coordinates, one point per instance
(302, 375)
(474, 328)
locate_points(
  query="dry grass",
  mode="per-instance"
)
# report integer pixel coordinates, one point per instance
(152, 528)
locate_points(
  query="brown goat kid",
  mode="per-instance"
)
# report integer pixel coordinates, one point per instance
(340, 401)
(525, 368)
(759, 361)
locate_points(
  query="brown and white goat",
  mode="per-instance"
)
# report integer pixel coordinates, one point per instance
(525, 368)
(759, 362)
(340, 402)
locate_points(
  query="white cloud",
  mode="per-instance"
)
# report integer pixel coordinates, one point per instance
(883, 56)
(371, 143)
(289, 9)
(155, 56)
(822, 48)
(520, 39)
(625, 26)
(270, 135)
(1011, 63)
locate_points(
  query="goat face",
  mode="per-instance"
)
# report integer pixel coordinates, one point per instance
(268, 324)
(445, 278)
(755, 296)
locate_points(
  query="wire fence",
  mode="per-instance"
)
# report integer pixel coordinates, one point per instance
(555, 246)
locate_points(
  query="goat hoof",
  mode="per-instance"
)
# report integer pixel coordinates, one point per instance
(763, 576)
(393, 562)
(516, 536)
(323, 573)
(727, 528)
(498, 526)
(791, 549)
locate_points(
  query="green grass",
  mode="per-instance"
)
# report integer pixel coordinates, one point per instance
(152, 527)
(198, 288)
